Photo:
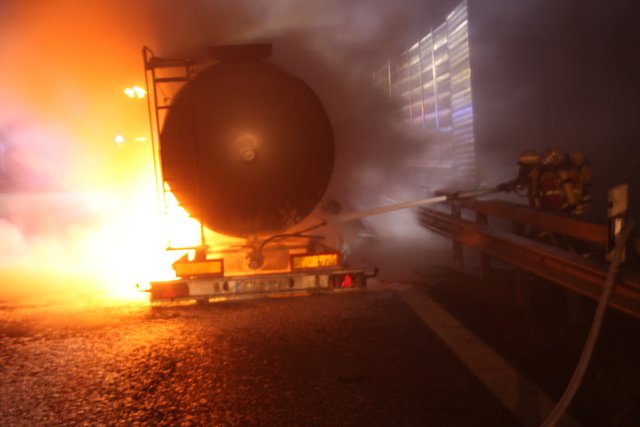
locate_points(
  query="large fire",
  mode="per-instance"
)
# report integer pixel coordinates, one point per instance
(99, 245)
(137, 227)
(79, 208)
(129, 247)
(79, 211)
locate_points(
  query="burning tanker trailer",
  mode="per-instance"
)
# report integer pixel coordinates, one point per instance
(247, 149)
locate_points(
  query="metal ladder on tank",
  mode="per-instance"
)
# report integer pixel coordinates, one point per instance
(163, 78)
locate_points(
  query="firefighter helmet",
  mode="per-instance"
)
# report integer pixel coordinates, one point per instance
(577, 158)
(554, 157)
(529, 157)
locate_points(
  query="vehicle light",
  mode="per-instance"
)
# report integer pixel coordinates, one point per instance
(307, 261)
(135, 92)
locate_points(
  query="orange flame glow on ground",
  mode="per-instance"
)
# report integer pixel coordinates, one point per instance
(123, 245)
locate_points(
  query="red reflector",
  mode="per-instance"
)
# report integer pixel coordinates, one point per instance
(347, 282)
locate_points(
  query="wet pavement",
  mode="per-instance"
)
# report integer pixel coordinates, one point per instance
(347, 358)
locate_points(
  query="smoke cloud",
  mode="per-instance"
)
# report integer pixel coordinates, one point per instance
(557, 74)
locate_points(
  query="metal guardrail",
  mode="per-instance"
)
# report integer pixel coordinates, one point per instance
(584, 276)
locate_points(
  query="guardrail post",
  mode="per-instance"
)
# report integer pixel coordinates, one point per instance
(458, 254)
(523, 292)
(485, 261)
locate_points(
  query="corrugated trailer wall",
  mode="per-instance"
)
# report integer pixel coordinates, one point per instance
(432, 81)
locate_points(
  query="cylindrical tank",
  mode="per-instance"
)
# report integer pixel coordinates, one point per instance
(247, 148)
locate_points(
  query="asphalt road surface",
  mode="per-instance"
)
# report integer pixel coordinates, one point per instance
(347, 358)
(426, 346)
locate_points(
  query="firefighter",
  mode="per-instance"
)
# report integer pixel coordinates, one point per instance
(529, 167)
(581, 176)
(562, 191)
(557, 189)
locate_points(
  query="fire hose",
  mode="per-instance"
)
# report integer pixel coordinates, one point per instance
(576, 379)
(352, 216)
(445, 197)
(559, 410)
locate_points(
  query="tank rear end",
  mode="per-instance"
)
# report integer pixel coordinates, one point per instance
(247, 148)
